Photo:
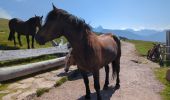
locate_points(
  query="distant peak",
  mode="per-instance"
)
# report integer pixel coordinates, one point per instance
(99, 27)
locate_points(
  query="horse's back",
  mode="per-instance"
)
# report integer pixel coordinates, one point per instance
(14, 22)
(109, 47)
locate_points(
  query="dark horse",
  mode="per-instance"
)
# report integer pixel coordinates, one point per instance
(90, 52)
(24, 28)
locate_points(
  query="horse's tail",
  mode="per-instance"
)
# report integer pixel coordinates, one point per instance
(116, 62)
(118, 44)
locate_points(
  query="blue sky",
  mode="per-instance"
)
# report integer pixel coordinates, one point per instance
(111, 14)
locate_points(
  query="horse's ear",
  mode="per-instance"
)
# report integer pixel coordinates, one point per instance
(54, 6)
(35, 15)
(41, 17)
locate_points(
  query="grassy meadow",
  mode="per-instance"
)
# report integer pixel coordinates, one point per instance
(142, 46)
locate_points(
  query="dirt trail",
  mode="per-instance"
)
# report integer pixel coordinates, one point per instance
(137, 82)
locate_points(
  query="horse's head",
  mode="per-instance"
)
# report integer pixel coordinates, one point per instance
(51, 29)
(38, 21)
(59, 22)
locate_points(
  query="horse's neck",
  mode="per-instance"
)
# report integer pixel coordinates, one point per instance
(82, 47)
(31, 22)
(77, 41)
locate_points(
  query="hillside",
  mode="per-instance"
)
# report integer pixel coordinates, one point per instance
(146, 34)
(3, 25)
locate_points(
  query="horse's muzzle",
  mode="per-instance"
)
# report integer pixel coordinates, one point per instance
(39, 40)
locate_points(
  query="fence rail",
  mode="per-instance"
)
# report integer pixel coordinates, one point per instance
(20, 54)
(164, 52)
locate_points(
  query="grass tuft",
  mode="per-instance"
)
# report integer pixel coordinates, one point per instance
(2, 88)
(61, 81)
(41, 91)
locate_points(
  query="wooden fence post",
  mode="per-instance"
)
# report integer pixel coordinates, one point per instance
(168, 44)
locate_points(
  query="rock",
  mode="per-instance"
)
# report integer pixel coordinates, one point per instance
(24, 86)
(168, 75)
(42, 83)
(4, 92)
(11, 96)
(24, 95)
(28, 80)
(13, 86)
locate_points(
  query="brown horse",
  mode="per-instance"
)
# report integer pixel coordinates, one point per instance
(91, 52)
(24, 28)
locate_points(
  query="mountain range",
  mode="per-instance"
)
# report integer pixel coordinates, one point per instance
(144, 34)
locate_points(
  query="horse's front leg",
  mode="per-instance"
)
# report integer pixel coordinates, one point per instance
(33, 41)
(107, 78)
(66, 68)
(28, 41)
(19, 39)
(86, 82)
(97, 84)
(14, 41)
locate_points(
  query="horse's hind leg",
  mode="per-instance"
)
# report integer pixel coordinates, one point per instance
(32, 41)
(86, 82)
(28, 41)
(14, 40)
(116, 67)
(12, 36)
(107, 77)
(97, 84)
(19, 39)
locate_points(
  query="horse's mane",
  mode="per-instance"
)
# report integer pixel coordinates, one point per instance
(74, 20)
(32, 19)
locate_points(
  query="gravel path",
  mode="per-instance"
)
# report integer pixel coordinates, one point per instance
(137, 82)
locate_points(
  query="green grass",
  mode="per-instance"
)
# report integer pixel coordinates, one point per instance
(61, 81)
(2, 94)
(27, 60)
(161, 74)
(2, 88)
(9, 45)
(41, 91)
(142, 47)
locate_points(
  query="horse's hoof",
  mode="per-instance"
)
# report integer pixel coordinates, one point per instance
(117, 86)
(66, 70)
(99, 98)
(87, 97)
(105, 88)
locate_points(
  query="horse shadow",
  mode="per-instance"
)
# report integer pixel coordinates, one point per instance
(73, 75)
(6, 47)
(106, 94)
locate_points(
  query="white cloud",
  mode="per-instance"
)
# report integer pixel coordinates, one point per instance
(4, 14)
